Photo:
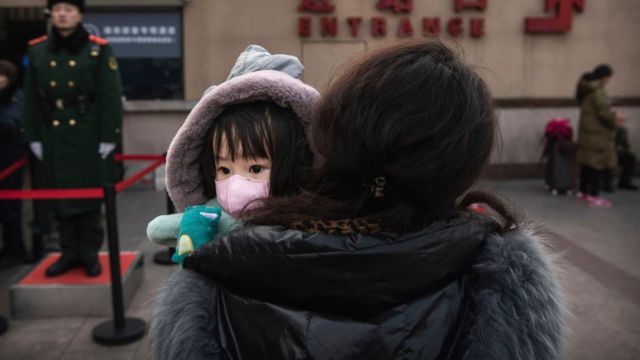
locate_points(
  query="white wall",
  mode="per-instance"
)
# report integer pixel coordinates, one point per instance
(522, 129)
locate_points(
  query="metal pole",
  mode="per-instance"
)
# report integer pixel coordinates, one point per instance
(120, 330)
(114, 255)
(40, 225)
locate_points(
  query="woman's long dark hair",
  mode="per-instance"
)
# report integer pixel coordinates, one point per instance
(580, 87)
(599, 72)
(413, 114)
(260, 129)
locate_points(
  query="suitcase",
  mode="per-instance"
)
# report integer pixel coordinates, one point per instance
(560, 164)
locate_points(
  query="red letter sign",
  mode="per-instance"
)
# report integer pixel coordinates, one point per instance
(560, 23)
(396, 6)
(471, 4)
(454, 26)
(431, 25)
(304, 26)
(405, 28)
(378, 26)
(316, 6)
(354, 24)
(477, 27)
(329, 26)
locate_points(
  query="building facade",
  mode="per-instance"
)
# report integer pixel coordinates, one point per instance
(530, 52)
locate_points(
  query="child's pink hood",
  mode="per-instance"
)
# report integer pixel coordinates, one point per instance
(184, 177)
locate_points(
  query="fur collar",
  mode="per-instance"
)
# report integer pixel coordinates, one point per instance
(521, 309)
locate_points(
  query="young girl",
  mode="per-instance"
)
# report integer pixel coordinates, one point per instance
(244, 141)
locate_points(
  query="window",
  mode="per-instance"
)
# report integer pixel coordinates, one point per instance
(148, 46)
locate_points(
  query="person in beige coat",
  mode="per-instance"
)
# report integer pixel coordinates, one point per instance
(596, 133)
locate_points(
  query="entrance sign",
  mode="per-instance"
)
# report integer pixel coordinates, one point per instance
(328, 26)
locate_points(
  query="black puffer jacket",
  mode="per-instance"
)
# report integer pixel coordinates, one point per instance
(453, 290)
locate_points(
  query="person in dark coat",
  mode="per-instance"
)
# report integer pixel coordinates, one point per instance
(73, 121)
(596, 135)
(380, 256)
(11, 150)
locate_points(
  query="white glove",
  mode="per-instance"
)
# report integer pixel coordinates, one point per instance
(105, 149)
(36, 149)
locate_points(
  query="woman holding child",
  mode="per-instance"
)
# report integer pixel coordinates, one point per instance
(376, 256)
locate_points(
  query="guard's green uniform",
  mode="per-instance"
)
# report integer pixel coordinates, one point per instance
(72, 104)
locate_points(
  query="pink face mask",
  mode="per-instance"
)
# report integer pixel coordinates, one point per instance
(236, 192)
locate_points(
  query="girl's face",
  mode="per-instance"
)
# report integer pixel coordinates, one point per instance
(252, 168)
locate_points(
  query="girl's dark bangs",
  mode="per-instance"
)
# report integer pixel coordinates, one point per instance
(246, 131)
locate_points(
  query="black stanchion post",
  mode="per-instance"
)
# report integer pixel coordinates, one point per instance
(163, 257)
(37, 232)
(40, 225)
(120, 330)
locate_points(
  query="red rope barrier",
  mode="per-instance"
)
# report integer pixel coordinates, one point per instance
(142, 157)
(13, 167)
(85, 193)
(50, 194)
(134, 178)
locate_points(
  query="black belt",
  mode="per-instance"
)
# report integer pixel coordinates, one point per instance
(80, 103)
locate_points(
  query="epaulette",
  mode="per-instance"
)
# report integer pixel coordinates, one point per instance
(38, 40)
(98, 40)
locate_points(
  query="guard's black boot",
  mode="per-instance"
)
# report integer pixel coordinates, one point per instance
(61, 266)
(92, 267)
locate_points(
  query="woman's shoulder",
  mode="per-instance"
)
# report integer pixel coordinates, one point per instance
(522, 248)
(517, 296)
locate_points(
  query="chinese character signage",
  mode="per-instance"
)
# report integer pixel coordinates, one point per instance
(560, 22)
(139, 35)
(318, 18)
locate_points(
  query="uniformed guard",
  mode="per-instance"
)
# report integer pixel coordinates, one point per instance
(73, 121)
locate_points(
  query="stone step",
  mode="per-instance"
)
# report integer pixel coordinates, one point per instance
(74, 294)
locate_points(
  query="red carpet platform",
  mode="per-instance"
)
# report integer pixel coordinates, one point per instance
(77, 276)
(74, 293)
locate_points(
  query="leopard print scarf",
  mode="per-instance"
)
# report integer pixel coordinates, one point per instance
(344, 226)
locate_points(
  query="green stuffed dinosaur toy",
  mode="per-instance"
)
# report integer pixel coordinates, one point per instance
(197, 228)
(192, 229)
